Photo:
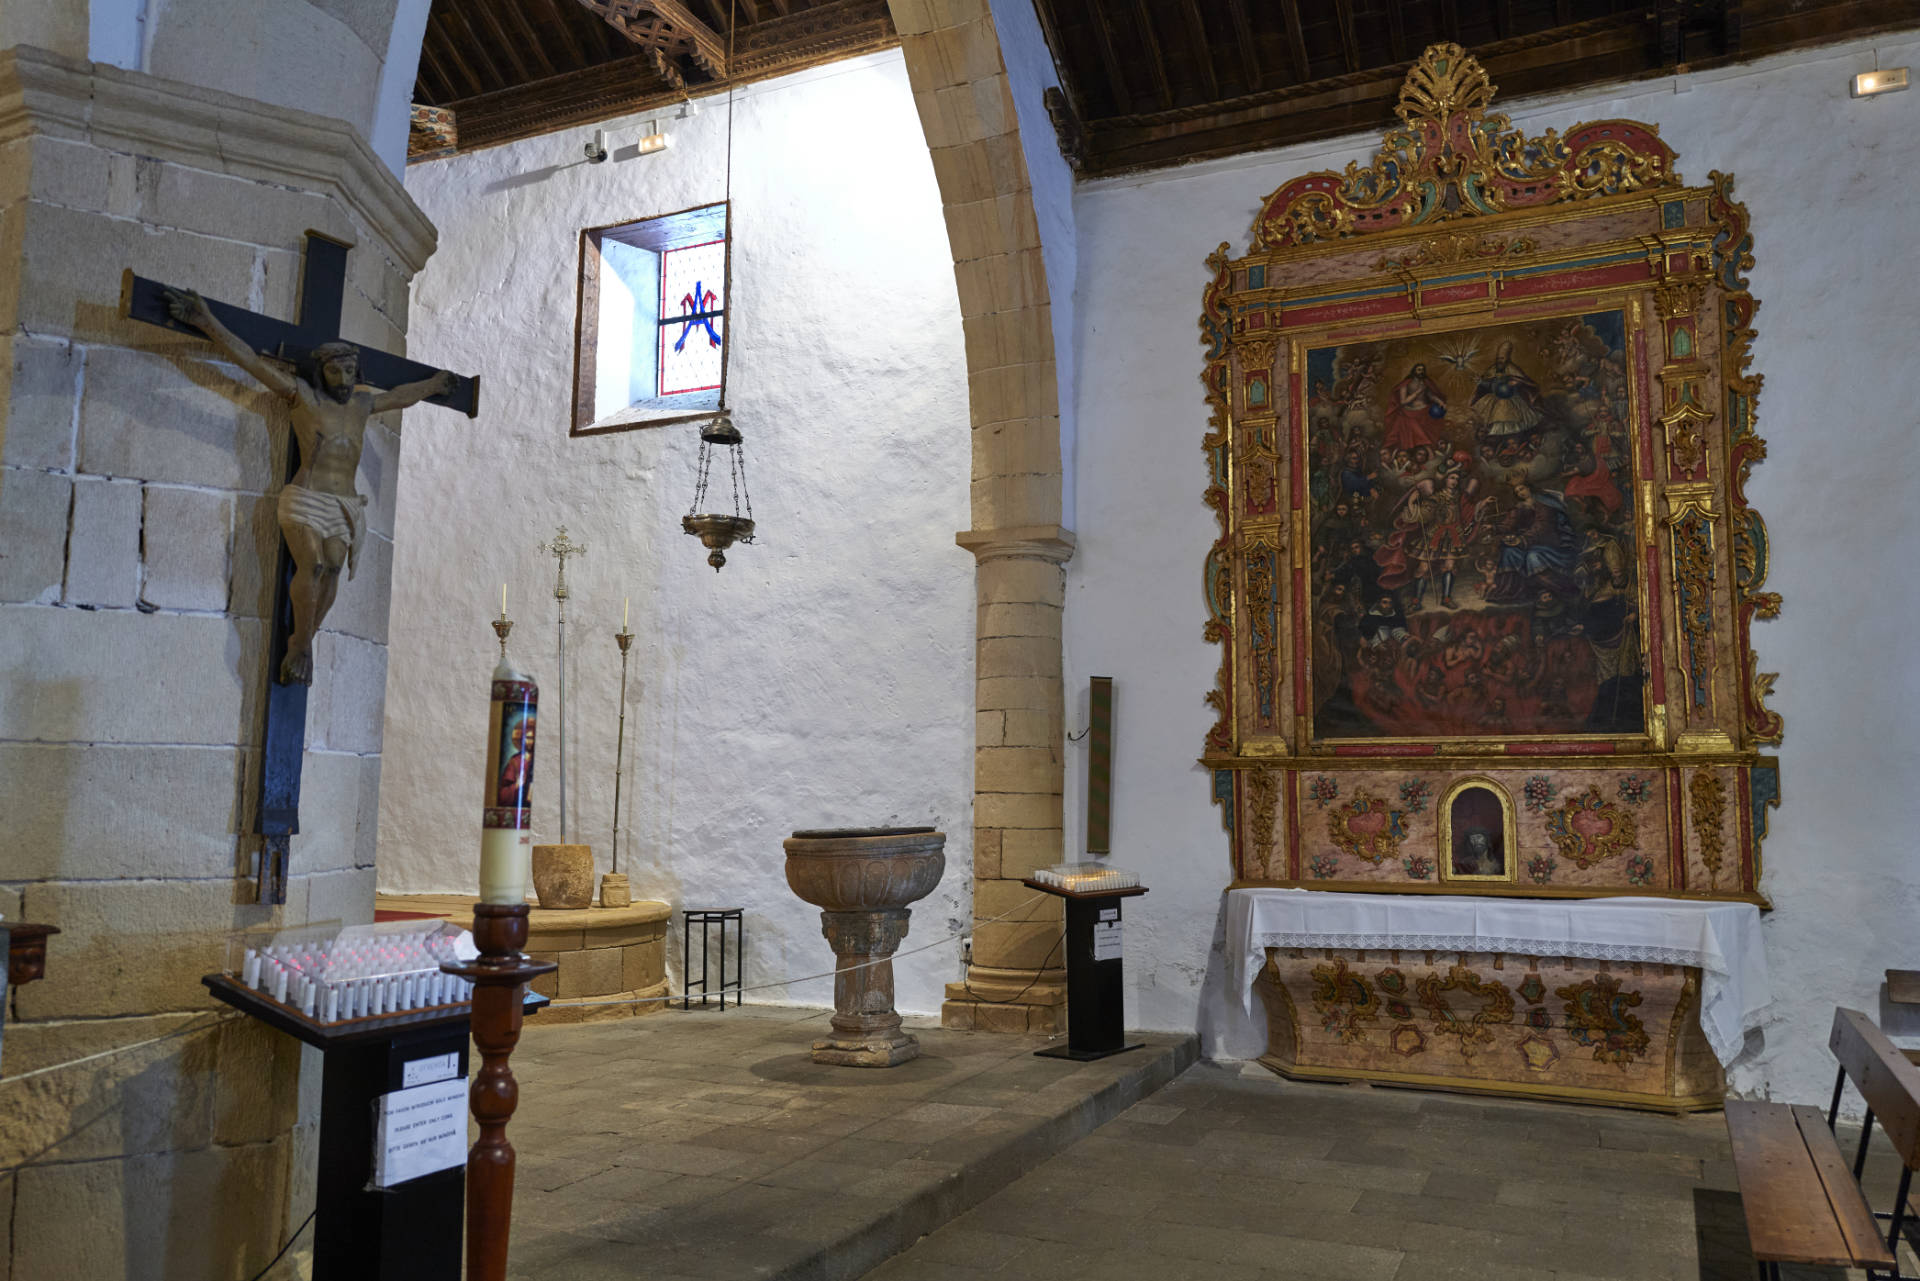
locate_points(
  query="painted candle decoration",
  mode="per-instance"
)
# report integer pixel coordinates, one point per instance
(506, 832)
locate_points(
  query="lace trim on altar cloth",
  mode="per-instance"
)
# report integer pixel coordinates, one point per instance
(1491, 943)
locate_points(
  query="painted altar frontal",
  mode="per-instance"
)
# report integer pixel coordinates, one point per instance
(1486, 573)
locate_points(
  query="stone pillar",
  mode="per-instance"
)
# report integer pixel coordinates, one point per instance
(137, 531)
(1017, 981)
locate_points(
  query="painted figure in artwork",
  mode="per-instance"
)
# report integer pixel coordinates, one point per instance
(1478, 585)
(321, 515)
(1507, 402)
(1417, 402)
(1479, 847)
(1537, 547)
(516, 761)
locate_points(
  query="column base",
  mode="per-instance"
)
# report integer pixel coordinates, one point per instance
(996, 1000)
(868, 1052)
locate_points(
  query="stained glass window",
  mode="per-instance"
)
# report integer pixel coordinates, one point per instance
(652, 320)
(692, 317)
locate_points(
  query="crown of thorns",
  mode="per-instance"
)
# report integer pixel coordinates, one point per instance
(329, 350)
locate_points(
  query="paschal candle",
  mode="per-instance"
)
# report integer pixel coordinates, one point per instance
(506, 833)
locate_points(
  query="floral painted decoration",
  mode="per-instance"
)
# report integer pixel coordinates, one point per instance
(1540, 868)
(1324, 866)
(1539, 792)
(1418, 866)
(1415, 793)
(1597, 1016)
(1323, 790)
(1640, 870)
(1633, 789)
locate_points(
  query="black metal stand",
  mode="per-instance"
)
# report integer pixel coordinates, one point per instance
(1096, 999)
(705, 918)
(409, 1232)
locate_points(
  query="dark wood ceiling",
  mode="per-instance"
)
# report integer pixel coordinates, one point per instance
(510, 69)
(1149, 83)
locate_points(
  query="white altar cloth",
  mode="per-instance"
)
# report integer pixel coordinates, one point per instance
(1722, 939)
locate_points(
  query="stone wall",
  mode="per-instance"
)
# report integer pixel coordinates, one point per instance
(136, 473)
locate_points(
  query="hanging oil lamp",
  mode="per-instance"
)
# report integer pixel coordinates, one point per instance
(716, 530)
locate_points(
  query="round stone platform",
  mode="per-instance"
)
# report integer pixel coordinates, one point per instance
(614, 954)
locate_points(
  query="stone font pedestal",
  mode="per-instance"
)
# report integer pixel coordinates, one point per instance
(866, 1029)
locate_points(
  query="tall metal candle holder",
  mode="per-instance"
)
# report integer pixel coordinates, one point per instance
(614, 887)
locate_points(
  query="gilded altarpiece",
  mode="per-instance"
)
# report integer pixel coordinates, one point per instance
(1481, 419)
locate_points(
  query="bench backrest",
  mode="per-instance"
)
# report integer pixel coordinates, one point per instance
(1885, 1078)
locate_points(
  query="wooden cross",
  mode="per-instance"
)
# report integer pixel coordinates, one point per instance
(322, 293)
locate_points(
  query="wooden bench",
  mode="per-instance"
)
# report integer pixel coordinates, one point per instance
(1803, 1201)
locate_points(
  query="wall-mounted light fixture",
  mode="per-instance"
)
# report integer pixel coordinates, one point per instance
(1870, 84)
(653, 140)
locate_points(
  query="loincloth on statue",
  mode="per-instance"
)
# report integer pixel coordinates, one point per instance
(342, 516)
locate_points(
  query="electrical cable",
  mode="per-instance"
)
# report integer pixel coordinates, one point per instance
(258, 1276)
(827, 974)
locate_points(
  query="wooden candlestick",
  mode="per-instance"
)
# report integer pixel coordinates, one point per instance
(498, 975)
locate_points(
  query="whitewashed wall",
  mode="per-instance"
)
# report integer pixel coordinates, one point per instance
(1839, 282)
(826, 676)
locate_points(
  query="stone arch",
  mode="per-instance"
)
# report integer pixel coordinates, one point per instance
(960, 84)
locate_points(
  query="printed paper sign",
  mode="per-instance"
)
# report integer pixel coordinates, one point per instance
(1106, 941)
(419, 1131)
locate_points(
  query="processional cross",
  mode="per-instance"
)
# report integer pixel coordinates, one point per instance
(333, 387)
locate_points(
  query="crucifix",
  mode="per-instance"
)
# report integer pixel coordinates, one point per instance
(332, 387)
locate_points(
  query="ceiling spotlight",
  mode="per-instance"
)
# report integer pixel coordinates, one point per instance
(596, 148)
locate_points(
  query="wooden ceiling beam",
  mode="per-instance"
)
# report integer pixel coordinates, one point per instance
(1396, 32)
(687, 33)
(1296, 41)
(430, 63)
(437, 19)
(1202, 48)
(558, 21)
(1243, 32)
(1349, 48)
(531, 37)
(1155, 58)
(1116, 77)
(491, 20)
(481, 53)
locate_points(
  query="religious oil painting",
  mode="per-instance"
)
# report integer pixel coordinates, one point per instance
(1476, 834)
(1472, 533)
(516, 757)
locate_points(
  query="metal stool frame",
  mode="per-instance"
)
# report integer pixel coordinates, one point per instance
(706, 917)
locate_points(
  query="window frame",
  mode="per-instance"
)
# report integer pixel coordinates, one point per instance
(581, 420)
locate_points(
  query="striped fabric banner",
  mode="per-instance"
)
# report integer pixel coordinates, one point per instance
(1100, 765)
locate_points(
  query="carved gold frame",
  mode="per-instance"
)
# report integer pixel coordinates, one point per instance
(1593, 220)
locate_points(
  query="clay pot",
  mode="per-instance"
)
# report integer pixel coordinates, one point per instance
(864, 878)
(563, 876)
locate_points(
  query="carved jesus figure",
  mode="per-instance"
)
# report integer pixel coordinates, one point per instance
(321, 515)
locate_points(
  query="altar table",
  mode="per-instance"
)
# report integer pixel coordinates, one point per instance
(1631, 1001)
